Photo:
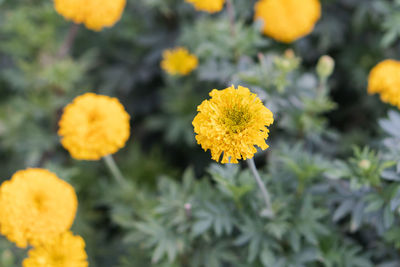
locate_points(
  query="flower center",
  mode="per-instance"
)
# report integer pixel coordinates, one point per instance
(93, 117)
(236, 119)
(58, 258)
(39, 201)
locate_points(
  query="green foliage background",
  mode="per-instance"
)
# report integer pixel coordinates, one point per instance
(333, 166)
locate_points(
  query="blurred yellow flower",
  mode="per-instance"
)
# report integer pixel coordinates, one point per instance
(210, 6)
(95, 14)
(178, 61)
(384, 79)
(35, 206)
(94, 126)
(66, 250)
(288, 20)
(232, 122)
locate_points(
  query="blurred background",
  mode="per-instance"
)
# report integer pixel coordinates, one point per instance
(181, 208)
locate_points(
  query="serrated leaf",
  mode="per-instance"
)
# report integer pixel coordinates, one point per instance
(390, 175)
(294, 239)
(158, 252)
(267, 258)
(344, 209)
(388, 217)
(356, 216)
(374, 205)
(201, 226)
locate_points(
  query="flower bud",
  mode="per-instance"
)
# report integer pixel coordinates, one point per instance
(289, 53)
(364, 164)
(188, 206)
(325, 66)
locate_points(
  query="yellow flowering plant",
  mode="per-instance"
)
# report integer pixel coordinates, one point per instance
(36, 206)
(384, 79)
(210, 6)
(287, 20)
(65, 250)
(94, 14)
(231, 124)
(190, 194)
(94, 126)
(178, 61)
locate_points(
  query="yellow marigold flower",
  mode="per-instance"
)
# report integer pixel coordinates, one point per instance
(288, 20)
(94, 126)
(66, 250)
(95, 14)
(178, 61)
(384, 79)
(35, 206)
(210, 6)
(232, 122)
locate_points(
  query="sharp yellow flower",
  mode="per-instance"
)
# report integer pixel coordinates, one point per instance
(178, 61)
(384, 79)
(94, 126)
(232, 122)
(210, 6)
(95, 14)
(35, 206)
(66, 250)
(288, 20)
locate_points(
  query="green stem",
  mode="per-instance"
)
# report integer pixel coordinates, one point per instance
(300, 186)
(68, 41)
(231, 14)
(113, 168)
(261, 185)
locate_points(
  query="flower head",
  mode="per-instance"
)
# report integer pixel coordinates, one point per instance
(210, 6)
(288, 20)
(384, 79)
(178, 61)
(95, 14)
(232, 122)
(35, 206)
(94, 126)
(65, 250)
